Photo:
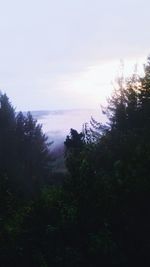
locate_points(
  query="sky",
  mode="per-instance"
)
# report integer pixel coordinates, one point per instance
(65, 54)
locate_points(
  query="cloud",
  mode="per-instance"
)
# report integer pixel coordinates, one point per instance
(47, 45)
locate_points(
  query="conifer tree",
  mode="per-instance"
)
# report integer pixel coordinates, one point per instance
(24, 150)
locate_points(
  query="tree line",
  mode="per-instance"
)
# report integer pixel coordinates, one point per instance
(99, 215)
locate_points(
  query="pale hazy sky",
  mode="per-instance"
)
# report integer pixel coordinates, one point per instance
(56, 54)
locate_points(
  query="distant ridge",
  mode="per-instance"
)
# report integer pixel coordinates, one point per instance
(38, 114)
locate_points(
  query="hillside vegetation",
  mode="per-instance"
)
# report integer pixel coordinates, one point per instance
(99, 214)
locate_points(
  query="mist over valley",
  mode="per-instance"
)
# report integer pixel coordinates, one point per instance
(56, 124)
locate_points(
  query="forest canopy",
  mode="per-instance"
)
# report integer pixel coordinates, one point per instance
(24, 150)
(99, 215)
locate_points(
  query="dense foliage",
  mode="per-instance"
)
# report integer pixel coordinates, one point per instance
(24, 151)
(100, 214)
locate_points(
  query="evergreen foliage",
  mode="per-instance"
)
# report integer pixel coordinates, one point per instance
(100, 215)
(24, 151)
